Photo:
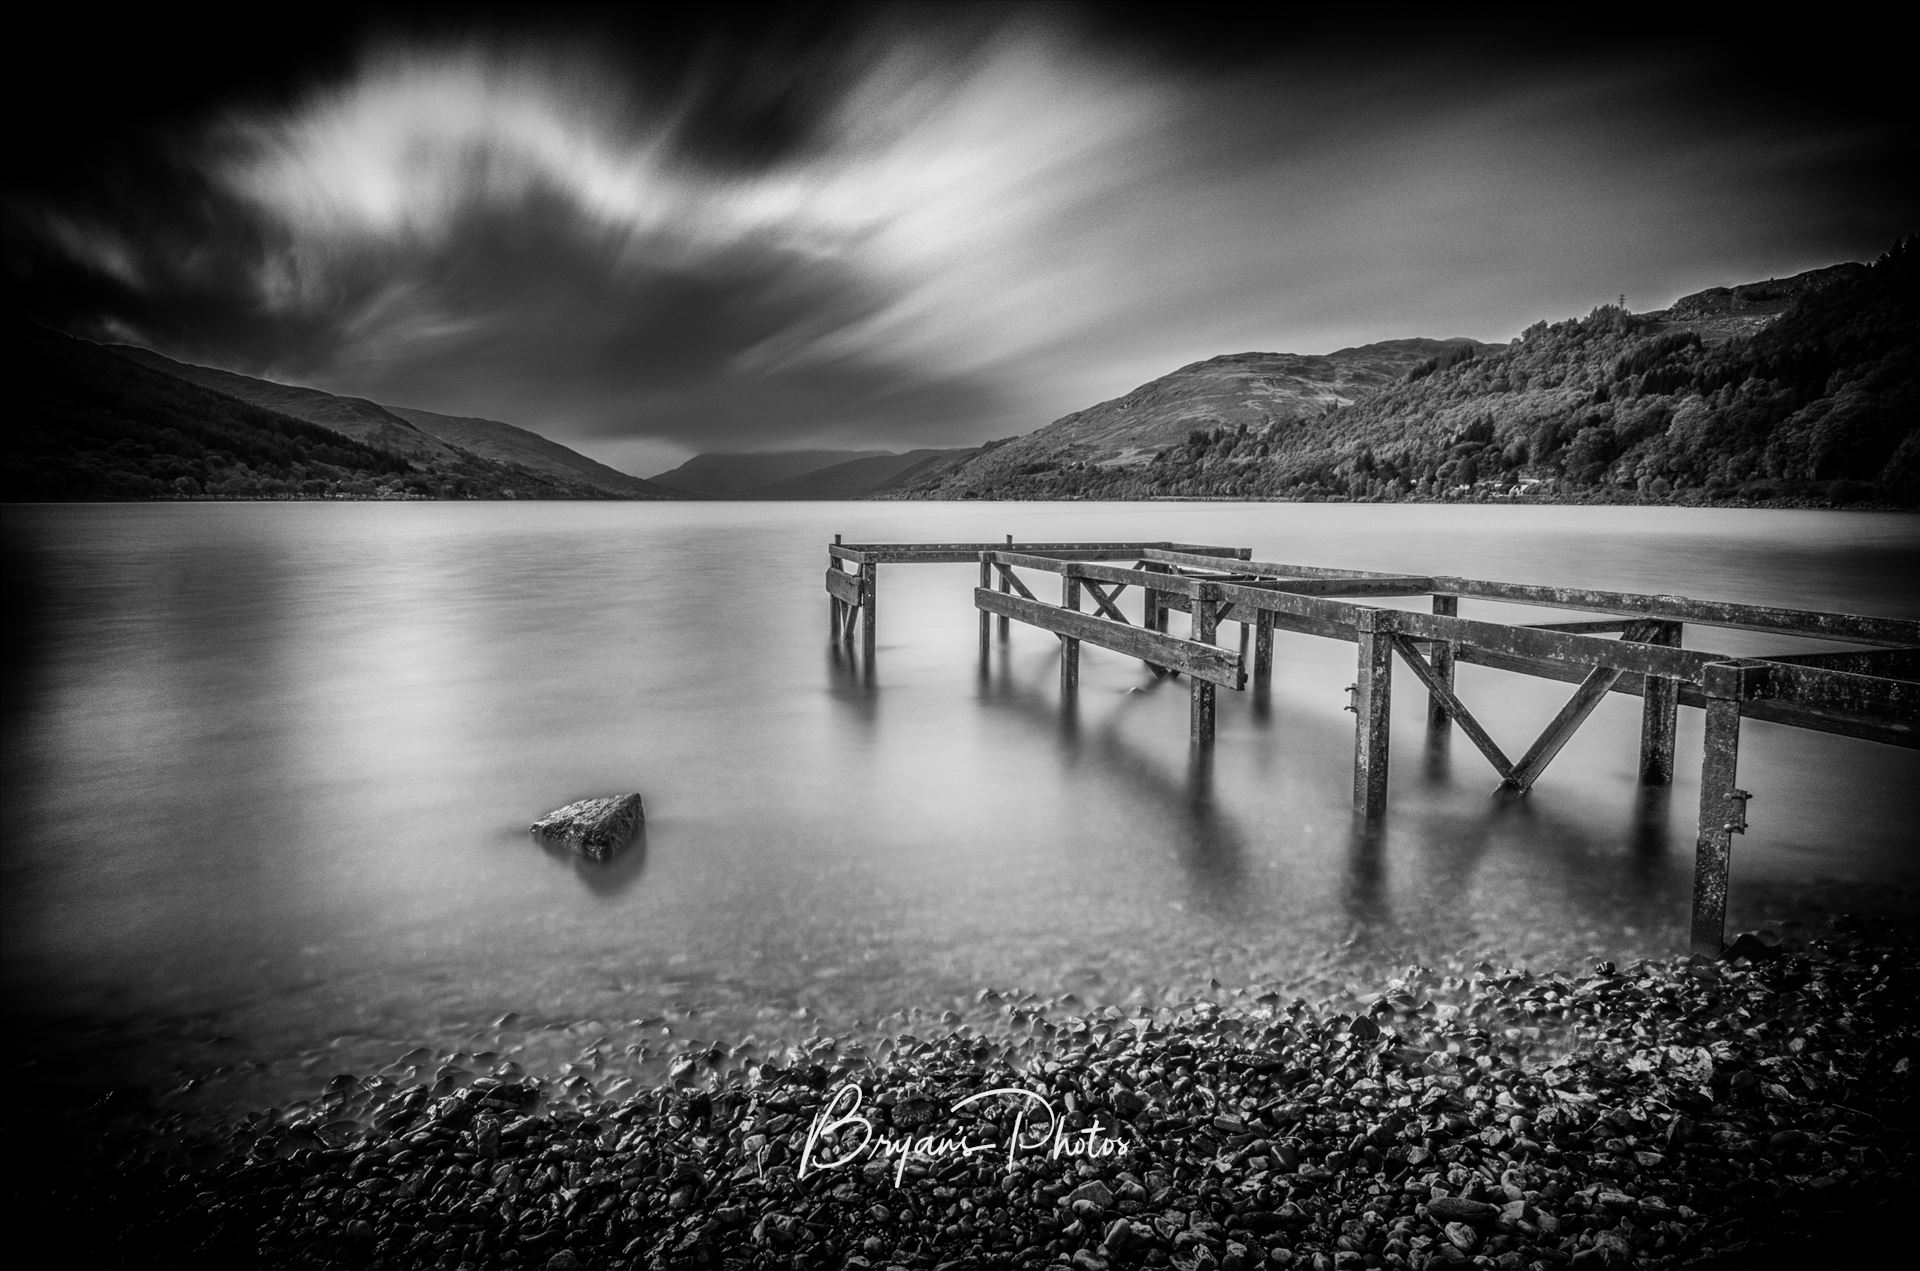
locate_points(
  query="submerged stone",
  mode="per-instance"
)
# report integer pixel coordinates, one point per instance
(595, 828)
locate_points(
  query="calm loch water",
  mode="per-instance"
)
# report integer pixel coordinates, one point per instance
(268, 772)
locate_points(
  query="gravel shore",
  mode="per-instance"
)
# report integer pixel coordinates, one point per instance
(1758, 1109)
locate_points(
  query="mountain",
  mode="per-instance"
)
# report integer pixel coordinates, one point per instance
(1798, 390)
(89, 423)
(722, 476)
(1237, 391)
(419, 434)
(858, 478)
(504, 443)
(353, 417)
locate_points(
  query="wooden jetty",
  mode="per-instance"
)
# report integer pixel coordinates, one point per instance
(1870, 691)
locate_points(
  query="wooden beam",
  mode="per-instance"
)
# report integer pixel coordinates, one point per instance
(1245, 566)
(1262, 649)
(1444, 699)
(1884, 698)
(1200, 692)
(1559, 646)
(962, 553)
(1069, 646)
(986, 619)
(1596, 685)
(1804, 622)
(1898, 664)
(869, 610)
(1437, 712)
(1373, 710)
(1598, 626)
(1886, 733)
(1659, 717)
(1723, 808)
(1217, 665)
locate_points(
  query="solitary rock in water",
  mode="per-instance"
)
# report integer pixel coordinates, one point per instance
(594, 827)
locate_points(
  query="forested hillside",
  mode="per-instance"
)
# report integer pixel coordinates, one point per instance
(1817, 405)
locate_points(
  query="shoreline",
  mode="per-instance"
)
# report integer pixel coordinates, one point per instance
(1670, 1113)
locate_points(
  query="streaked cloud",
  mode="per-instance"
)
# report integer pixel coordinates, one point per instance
(906, 236)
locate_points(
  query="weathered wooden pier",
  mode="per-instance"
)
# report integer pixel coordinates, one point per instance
(1633, 645)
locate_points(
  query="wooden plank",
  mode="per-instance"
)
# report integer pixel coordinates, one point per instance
(843, 586)
(1593, 689)
(1267, 568)
(1723, 813)
(1373, 711)
(1218, 666)
(851, 554)
(1560, 646)
(1805, 622)
(1899, 664)
(1455, 710)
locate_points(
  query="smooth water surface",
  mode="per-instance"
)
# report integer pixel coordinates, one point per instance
(269, 767)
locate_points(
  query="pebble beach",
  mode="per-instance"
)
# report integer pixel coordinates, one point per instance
(1758, 1109)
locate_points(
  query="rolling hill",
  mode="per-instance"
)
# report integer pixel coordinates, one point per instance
(1790, 390)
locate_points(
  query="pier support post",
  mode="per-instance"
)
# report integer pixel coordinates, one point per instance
(1263, 651)
(1069, 647)
(833, 601)
(1440, 658)
(1153, 616)
(1723, 805)
(1373, 707)
(1206, 617)
(1660, 715)
(986, 619)
(869, 607)
(1006, 587)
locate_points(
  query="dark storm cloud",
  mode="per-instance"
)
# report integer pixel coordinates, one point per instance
(916, 225)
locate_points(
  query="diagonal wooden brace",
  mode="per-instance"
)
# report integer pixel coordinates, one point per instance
(1455, 709)
(1592, 691)
(1104, 601)
(1013, 580)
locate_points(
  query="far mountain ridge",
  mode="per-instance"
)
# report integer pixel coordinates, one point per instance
(506, 443)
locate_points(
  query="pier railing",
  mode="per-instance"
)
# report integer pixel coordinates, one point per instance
(1634, 648)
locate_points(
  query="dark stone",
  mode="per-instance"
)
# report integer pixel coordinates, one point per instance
(595, 828)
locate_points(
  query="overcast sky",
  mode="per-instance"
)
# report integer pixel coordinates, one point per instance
(741, 229)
